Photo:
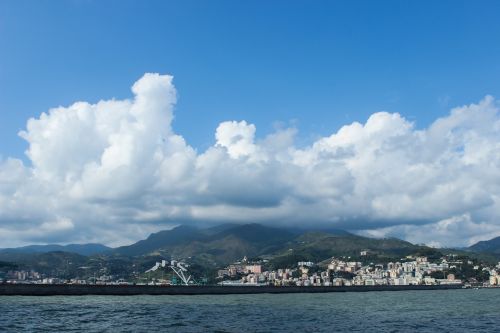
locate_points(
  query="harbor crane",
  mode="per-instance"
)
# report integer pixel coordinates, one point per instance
(179, 268)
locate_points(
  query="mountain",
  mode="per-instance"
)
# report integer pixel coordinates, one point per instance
(216, 245)
(489, 246)
(226, 243)
(331, 231)
(56, 263)
(162, 239)
(82, 249)
(211, 248)
(256, 233)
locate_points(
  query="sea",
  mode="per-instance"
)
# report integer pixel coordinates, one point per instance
(470, 310)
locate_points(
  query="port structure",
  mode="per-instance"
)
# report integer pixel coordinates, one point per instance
(179, 268)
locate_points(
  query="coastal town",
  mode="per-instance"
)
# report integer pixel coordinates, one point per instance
(337, 271)
(342, 272)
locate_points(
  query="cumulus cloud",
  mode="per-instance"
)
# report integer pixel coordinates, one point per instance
(445, 233)
(237, 138)
(115, 171)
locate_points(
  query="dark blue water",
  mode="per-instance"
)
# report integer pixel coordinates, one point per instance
(401, 311)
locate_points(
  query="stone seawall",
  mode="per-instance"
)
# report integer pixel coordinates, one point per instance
(127, 290)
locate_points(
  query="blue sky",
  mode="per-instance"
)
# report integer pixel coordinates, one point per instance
(277, 111)
(317, 64)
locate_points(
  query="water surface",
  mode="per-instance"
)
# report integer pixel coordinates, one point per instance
(388, 311)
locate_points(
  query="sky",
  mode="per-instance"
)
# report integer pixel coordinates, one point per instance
(121, 118)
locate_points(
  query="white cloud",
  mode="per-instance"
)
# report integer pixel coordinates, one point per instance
(116, 170)
(237, 138)
(445, 233)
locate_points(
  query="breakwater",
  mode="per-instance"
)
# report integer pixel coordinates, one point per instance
(128, 290)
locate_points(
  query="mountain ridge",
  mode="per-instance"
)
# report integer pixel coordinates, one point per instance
(86, 249)
(222, 244)
(487, 246)
(207, 250)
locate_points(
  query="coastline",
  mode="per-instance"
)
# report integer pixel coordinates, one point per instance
(130, 290)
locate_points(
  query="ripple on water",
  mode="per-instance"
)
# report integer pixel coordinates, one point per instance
(402, 311)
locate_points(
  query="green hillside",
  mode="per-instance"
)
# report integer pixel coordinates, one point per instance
(212, 248)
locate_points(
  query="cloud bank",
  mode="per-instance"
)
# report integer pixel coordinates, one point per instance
(115, 171)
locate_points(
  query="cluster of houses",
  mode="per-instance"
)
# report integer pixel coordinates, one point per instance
(34, 277)
(341, 272)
